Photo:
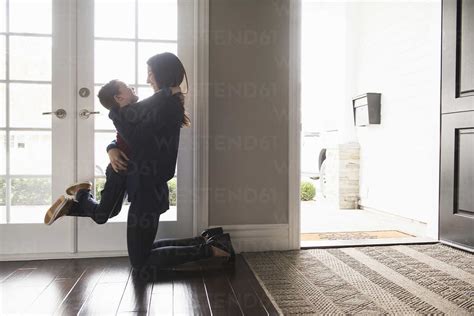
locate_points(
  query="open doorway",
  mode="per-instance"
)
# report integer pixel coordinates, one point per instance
(370, 169)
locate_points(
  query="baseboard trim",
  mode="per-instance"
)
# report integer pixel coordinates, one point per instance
(244, 238)
(258, 237)
(400, 217)
(456, 245)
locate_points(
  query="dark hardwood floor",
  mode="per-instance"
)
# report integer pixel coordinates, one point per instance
(107, 286)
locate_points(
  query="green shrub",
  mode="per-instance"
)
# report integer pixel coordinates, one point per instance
(37, 191)
(172, 190)
(99, 186)
(171, 187)
(31, 191)
(3, 187)
(308, 191)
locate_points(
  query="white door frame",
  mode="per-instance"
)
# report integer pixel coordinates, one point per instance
(294, 126)
(200, 118)
(198, 108)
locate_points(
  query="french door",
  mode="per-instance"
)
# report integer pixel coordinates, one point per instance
(54, 56)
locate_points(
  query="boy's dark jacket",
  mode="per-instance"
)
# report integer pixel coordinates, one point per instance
(151, 128)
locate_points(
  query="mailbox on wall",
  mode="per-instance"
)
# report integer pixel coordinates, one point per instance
(366, 109)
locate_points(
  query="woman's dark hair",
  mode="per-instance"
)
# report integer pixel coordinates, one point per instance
(107, 92)
(169, 71)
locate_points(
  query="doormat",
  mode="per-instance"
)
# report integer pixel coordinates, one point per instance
(355, 235)
(379, 280)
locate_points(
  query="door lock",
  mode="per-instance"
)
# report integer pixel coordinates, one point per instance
(60, 113)
(84, 92)
(84, 114)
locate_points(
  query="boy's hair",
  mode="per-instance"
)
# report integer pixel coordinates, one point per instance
(107, 92)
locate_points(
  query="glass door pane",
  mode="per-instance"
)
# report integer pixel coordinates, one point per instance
(25, 93)
(32, 144)
(119, 49)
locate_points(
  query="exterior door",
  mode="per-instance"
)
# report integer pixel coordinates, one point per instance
(36, 124)
(50, 133)
(457, 125)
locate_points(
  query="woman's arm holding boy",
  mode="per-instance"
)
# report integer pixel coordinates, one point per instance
(139, 124)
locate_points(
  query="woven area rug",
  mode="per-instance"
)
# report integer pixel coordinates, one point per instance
(393, 280)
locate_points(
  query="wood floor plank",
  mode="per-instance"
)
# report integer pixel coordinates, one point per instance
(221, 297)
(44, 271)
(240, 280)
(189, 293)
(255, 285)
(117, 271)
(7, 268)
(137, 295)
(162, 294)
(104, 299)
(76, 298)
(18, 275)
(107, 286)
(51, 298)
(107, 293)
(22, 291)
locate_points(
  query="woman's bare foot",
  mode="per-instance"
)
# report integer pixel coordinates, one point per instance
(221, 246)
(216, 252)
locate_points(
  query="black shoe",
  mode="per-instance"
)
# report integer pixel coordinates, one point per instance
(224, 244)
(208, 233)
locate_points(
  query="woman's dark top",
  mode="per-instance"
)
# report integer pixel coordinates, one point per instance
(151, 128)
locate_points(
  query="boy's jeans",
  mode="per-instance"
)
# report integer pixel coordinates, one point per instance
(110, 202)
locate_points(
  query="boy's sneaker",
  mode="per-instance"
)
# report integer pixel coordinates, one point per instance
(72, 190)
(208, 233)
(59, 208)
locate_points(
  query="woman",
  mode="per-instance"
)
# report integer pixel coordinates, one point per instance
(152, 131)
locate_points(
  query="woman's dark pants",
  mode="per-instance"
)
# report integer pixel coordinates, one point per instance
(142, 224)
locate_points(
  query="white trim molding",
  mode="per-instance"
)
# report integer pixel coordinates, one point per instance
(457, 246)
(201, 117)
(245, 238)
(251, 237)
(258, 237)
(294, 126)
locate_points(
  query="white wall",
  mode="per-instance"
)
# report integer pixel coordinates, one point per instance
(323, 73)
(323, 49)
(394, 48)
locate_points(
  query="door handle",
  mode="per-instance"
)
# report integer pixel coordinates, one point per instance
(60, 113)
(84, 114)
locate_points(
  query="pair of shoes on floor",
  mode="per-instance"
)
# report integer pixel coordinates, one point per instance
(63, 204)
(208, 233)
(222, 246)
